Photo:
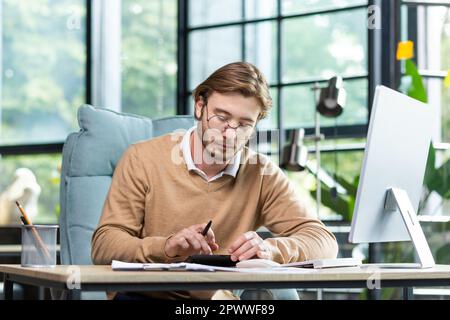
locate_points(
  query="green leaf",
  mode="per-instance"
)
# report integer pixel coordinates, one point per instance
(340, 204)
(437, 179)
(351, 207)
(443, 254)
(416, 89)
(356, 182)
(350, 187)
(430, 170)
(441, 181)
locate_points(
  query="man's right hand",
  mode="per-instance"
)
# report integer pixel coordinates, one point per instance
(190, 241)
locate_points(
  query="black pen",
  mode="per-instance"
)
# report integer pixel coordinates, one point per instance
(205, 231)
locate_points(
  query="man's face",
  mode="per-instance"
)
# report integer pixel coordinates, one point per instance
(224, 110)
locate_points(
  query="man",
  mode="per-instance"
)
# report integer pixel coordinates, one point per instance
(164, 190)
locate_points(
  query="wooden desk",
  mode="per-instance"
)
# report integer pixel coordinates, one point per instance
(102, 278)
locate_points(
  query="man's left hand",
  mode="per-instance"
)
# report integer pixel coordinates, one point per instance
(249, 245)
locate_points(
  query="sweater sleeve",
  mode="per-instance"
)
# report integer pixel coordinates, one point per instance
(118, 235)
(299, 234)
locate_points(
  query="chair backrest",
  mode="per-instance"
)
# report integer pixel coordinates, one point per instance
(89, 159)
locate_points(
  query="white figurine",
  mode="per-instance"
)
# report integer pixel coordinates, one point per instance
(24, 189)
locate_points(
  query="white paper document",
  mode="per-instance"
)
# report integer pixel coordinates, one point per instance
(326, 263)
(127, 266)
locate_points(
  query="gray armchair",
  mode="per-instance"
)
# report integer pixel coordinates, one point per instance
(89, 159)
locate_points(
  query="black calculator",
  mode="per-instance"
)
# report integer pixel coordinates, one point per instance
(212, 260)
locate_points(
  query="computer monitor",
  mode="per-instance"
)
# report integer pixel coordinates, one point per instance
(392, 173)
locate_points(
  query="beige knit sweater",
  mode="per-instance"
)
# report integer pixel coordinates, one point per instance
(153, 195)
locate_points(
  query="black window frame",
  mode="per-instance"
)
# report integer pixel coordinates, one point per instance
(183, 92)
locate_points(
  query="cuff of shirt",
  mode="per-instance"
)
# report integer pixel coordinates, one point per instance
(154, 250)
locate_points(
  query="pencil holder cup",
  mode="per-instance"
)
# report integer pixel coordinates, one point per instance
(39, 245)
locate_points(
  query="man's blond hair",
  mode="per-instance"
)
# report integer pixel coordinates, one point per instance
(237, 77)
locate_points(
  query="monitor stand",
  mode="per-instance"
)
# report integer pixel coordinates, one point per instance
(398, 199)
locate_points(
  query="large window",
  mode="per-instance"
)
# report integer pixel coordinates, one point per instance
(43, 58)
(149, 53)
(296, 44)
(428, 25)
(281, 38)
(133, 63)
(59, 54)
(15, 184)
(134, 54)
(42, 82)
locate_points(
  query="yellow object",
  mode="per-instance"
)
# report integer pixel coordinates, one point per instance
(405, 50)
(447, 79)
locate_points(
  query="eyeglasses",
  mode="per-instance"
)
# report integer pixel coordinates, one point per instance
(222, 123)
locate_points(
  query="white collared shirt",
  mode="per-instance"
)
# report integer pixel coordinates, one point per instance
(231, 169)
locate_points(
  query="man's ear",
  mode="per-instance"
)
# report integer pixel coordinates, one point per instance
(198, 109)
